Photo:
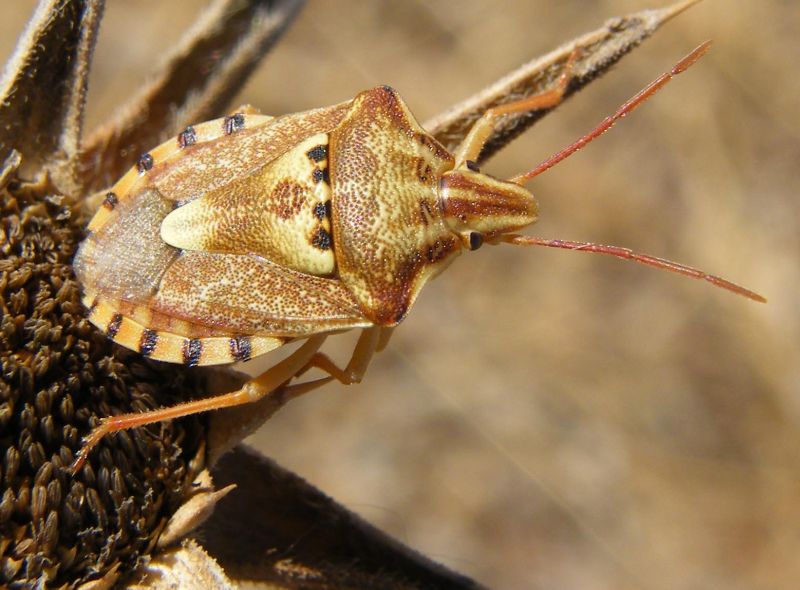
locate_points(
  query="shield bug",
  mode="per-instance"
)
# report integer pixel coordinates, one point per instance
(248, 232)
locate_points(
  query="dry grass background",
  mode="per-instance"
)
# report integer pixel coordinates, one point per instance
(547, 419)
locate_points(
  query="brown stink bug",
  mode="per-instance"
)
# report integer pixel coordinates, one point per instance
(248, 232)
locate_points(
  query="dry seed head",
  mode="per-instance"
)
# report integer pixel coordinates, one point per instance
(58, 374)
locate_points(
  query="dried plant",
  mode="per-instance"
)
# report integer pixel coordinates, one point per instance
(127, 515)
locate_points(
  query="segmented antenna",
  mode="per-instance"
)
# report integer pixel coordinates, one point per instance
(628, 254)
(621, 112)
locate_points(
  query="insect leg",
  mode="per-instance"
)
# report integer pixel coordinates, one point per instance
(252, 391)
(383, 341)
(470, 148)
(368, 343)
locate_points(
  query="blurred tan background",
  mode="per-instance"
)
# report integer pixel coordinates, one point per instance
(546, 419)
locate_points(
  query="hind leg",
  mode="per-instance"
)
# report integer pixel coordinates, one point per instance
(252, 391)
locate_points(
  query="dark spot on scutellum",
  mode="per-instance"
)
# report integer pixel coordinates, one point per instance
(317, 153)
(321, 239)
(321, 210)
(145, 163)
(113, 325)
(475, 240)
(192, 350)
(472, 165)
(233, 123)
(110, 201)
(187, 137)
(240, 348)
(148, 342)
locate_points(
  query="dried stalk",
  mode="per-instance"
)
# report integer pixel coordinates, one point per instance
(600, 50)
(196, 82)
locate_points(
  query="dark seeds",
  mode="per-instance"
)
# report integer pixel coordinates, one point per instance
(233, 123)
(192, 350)
(145, 163)
(58, 377)
(187, 137)
(240, 348)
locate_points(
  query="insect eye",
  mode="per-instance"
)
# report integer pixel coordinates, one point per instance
(475, 240)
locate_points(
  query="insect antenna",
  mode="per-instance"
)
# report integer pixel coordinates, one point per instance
(618, 251)
(621, 112)
(628, 254)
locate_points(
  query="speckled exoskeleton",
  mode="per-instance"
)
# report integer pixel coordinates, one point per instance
(248, 232)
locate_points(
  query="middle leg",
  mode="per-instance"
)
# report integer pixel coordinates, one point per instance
(252, 391)
(370, 341)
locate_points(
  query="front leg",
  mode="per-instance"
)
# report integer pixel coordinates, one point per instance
(470, 148)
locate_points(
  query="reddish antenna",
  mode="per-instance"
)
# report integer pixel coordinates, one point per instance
(617, 251)
(628, 254)
(622, 111)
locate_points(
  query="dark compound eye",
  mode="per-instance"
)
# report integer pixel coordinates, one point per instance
(475, 240)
